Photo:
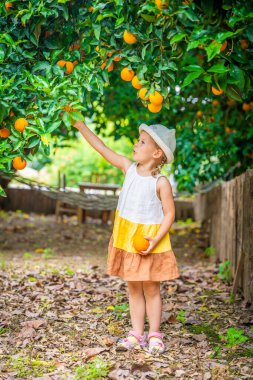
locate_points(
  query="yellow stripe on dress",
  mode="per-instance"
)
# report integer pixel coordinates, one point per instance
(124, 231)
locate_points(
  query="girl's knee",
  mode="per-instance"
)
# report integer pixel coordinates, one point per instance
(135, 287)
(151, 288)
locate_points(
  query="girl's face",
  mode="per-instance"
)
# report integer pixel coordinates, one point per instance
(144, 148)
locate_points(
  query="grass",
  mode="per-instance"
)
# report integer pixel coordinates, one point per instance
(26, 366)
(96, 369)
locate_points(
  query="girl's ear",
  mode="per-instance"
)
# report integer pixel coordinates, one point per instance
(158, 153)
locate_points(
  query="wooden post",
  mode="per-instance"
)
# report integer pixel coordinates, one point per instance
(238, 273)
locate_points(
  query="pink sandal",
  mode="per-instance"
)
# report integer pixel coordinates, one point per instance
(126, 344)
(155, 346)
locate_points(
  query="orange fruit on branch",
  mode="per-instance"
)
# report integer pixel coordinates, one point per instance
(215, 103)
(61, 63)
(20, 124)
(216, 91)
(140, 243)
(126, 74)
(154, 108)
(109, 68)
(136, 83)
(246, 107)
(161, 4)
(129, 37)
(142, 93)
(19, 163)
(156, 98)
(69, 67)
(244, 44)
(223, 46)
(117, 58)
(8, 6)
(4, 132)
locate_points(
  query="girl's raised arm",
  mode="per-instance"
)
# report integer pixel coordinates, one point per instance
(114, 158)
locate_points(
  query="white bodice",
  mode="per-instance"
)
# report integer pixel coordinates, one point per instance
(138, 200)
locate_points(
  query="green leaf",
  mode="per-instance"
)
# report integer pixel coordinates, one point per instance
(33, 142)
(41, 66)
(2, 192)
(193, 68)
(190, 15)
(178, 37)
(119, 22)
(212, 50)
(207, 78)
(190, 77)
(233, 92)
(53, 126)
(148, 18)
(97, 30)
(218, 68)
(77, 116)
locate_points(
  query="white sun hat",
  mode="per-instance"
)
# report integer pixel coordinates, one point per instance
(163, 136)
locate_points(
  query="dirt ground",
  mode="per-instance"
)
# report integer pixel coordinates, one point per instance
(61, 314)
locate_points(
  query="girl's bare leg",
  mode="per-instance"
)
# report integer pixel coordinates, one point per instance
(137, 306)
(153, 304)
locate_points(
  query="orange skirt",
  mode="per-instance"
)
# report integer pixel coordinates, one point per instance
(136, 267)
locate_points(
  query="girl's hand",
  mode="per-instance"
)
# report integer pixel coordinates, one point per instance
(152, 243)
(77, 124)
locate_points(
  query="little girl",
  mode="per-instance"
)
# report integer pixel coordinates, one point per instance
(145, 210)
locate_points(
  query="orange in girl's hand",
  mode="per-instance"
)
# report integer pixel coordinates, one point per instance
(140, 243)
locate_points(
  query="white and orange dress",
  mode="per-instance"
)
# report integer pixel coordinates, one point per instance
(139, 210)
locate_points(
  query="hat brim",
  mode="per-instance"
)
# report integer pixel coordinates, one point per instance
(163, 146)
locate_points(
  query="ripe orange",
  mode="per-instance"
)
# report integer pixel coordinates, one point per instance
(61, 63)
(4, 132)
(126, 74)
(231, 102)
(48, 34)
(217, 92)
(199, 114)
(97, 48)
(18, 163)
(140, 243)
(136, 83)
(8, 6)
(129, 37)
(117, 58)
(246, 107)
(156, 98)
(244, 44)
(69, 67)
(109, 68)
(161, 4)
(20, 124)
(74, 46)
(154, 107)
(90, 9)
(142, 93)
(223, 46)
(215, 103)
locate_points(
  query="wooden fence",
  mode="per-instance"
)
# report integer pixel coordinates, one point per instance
(227, 209)
(32, 200)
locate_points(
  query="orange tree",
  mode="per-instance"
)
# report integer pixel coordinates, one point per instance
(59, 58)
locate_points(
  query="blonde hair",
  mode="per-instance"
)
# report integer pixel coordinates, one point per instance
(157, 169)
